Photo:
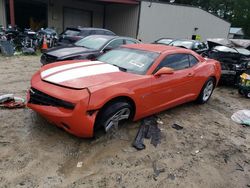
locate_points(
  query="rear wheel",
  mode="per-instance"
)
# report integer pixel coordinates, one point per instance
(206, 91)
(113, 114)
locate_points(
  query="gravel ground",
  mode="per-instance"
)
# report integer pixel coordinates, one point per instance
(210, 151)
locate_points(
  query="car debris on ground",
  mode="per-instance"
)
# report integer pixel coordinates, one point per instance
(10, 101)
(148, 129)
(177, 127)
(242, 117)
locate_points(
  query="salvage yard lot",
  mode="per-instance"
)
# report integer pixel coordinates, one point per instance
(211, 150)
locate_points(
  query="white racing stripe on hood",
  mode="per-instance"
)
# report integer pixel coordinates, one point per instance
(67, 66)
(81, 72)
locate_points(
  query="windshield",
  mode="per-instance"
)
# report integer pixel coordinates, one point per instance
(186, 44)
(164, 41)
(130, 60)
(92, 42)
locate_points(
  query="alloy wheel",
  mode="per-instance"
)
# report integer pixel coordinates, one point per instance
(122, 114)
(208, 90)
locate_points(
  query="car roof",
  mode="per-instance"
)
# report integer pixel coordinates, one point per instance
(111, 37)
(165, 38)
(187, 40)
(155, 48)
(87, 28)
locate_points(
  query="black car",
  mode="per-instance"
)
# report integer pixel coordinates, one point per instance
(165, 41)
(71, 35)
(197, 46)
(87, 48)
(234, 61)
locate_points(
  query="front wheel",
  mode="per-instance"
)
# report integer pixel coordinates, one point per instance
(247, 94)
(112, 114)
(206, 91)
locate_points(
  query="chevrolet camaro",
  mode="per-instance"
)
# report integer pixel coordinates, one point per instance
(129, 82)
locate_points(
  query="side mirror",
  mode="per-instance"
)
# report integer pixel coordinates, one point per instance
(164, 70)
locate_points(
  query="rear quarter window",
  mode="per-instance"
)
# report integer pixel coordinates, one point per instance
(193, 60)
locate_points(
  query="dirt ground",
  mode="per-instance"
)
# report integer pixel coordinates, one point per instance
(211, 150)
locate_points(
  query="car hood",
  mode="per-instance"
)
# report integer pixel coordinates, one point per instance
(80, 75)
(60, 52)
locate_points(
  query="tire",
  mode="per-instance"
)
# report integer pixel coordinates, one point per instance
(247, 94)
(240, 91)
(111, 115)
(206, 91)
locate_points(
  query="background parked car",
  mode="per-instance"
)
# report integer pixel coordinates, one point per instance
(165, 41)
(197, 46)
(71, 35)
(87, 48)
(234, 61)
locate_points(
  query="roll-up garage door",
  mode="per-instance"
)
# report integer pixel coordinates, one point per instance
(76, 17)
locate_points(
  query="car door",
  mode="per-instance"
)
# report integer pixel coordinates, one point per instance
(171, 89)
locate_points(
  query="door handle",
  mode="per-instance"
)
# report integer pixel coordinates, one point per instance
(190, 74)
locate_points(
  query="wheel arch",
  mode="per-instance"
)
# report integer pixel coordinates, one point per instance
(114, 100)
(118, 99)
(215, 80)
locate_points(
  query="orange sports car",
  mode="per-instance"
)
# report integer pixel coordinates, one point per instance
(130, 82)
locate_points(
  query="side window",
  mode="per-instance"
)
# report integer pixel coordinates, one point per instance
(175, 61)
(85, 33)
(107, 33)
(130, 42)
(193, 60)
(116, 43)
(99, 32)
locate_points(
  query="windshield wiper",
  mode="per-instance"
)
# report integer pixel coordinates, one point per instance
(86, 47)
(121, 68)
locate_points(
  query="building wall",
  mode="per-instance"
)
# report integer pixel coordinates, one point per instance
(175, 21)
(55, 12)
(2, 13)
(122, 19)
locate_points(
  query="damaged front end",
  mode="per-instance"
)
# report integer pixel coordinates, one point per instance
(234, 62)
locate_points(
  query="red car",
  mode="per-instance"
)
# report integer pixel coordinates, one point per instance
(130, 82)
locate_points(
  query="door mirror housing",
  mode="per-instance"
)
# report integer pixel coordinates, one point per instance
(164, 70)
